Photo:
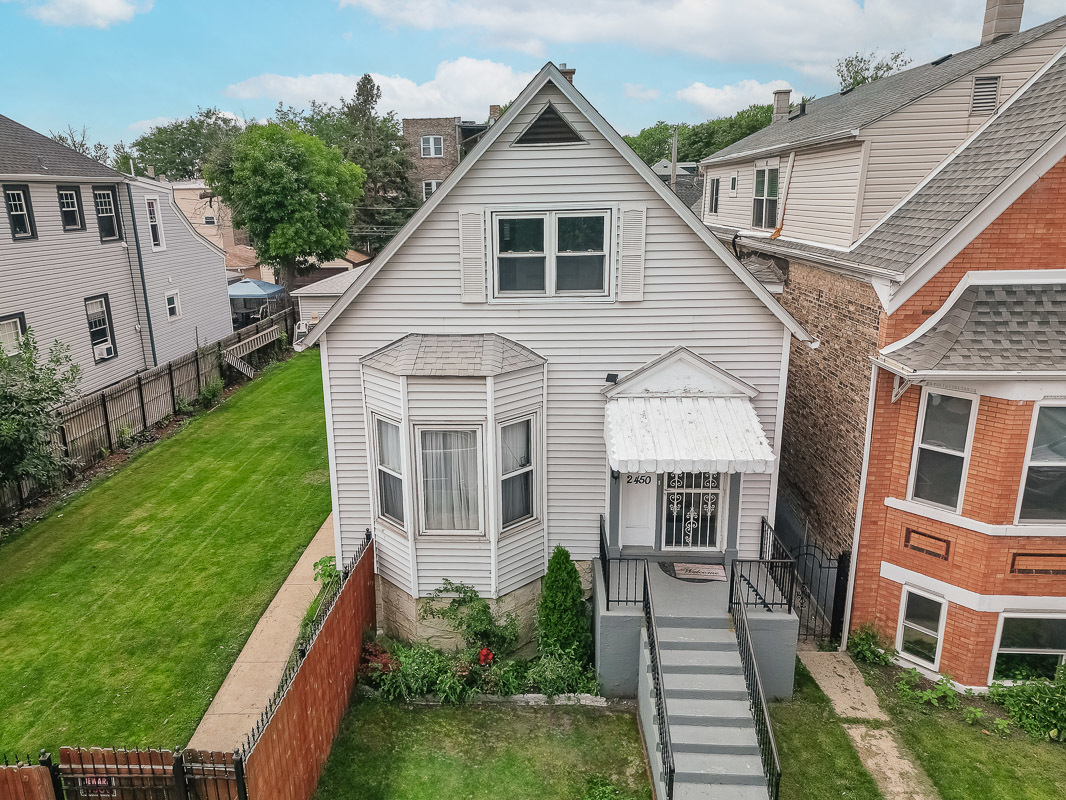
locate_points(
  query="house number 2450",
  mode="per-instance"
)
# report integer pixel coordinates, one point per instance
(638, 478)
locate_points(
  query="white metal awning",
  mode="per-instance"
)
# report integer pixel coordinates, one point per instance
(685, 434)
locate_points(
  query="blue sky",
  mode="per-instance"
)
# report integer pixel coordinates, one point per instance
(119, 66)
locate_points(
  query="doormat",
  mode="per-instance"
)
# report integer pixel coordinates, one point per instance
(699, 572)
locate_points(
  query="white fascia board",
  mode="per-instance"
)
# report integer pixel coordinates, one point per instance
(802, 144)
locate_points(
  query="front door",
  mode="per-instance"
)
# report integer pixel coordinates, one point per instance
(637, 507)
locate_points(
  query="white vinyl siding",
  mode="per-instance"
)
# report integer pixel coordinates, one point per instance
(822, 192)
(314, 307)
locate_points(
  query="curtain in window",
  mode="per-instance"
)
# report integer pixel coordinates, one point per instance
(517, 486)
(449, 480)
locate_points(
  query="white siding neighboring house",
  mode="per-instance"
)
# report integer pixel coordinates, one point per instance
(469, 367)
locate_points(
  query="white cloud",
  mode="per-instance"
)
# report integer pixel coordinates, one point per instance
(86, 13)
(726, 100)
(639, 92)
(807, 35)
(464, 87)
(145, 125)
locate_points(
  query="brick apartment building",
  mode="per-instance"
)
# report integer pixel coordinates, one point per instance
(920, 228)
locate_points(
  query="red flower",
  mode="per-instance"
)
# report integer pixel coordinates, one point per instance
(485, 656)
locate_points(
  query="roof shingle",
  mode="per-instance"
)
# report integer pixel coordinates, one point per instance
(26, 152)
(452, 355)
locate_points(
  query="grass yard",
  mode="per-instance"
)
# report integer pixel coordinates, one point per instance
(122, 611)
(818, 760)
(393, 752)
(964, 761)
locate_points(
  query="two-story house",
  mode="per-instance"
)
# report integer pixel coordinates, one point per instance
(102, 262)
(918, 223)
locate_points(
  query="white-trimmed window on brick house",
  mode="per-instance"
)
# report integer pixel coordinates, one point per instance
(764, 204)
(432, 146)
(713, 187)
(450, 474)
(173, 305)
(101, 327)
(106, 201)
(12, 327)
(517, 473)
(921, 626)
(1029, 646)
(429, 187)
(20, 211)
(552, 253)
(70, 210)
(155, 223)
(389, 457)
(1043, 495)
(943, 439)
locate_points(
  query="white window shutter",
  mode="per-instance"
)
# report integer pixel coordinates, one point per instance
(631, 260)
(472, 254)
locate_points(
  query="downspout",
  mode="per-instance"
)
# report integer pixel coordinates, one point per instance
(784, 197)
(140, 264)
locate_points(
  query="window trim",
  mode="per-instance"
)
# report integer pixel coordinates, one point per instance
(999, 636)
(919, 428)
(432, 137)
(1028, 462)
(534, 454)
(177, 305)
(713, 192)
(117, 214)
(480, 531)
(76, 191)
(149, 200)
(110, 327)
(721, 523)
(765, 166)
(550, 217)
(734, 182)
(907, 591)
(379, 515)
(18, 316)
(24, 189)
(432, 189)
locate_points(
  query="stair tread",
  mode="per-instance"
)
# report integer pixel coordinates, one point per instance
(685, 633)
(707, 708)
(685, 790)
(690, 681)
(712, 735)
(719, 764)
(730, 658)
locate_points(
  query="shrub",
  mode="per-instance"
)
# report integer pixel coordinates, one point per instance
(182, 405)
(562, 620)
(1038, 707)
(866, 645)
(211, 393)
(505, 678)
(125, 436)
(470, 615)
(417, 670)
(560, 671)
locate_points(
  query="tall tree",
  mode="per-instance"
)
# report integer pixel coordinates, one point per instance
(179, 149)
(695, 142)
(122, 160)
(79, 141)
(860, 67)
(293, 194)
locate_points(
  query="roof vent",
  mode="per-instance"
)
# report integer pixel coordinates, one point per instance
(799, 111)
(941, 60)
(549, 128)
(985, 99)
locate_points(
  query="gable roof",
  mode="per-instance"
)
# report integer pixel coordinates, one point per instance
(550, 74)
(452, 355)
(25, 152)
(838, 114)
(691, 379)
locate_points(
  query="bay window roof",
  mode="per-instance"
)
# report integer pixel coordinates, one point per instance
(452, 355)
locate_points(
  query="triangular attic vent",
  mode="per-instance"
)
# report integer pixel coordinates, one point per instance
(549, 128)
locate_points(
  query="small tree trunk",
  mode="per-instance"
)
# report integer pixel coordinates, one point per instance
(287, 276)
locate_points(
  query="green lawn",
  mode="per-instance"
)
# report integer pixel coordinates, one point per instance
(122, 611)
(394, 752)
(965, 762)
(818, 760)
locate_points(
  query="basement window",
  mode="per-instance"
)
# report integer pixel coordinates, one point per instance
(921, 627)
(985, 98)
(1030, 647)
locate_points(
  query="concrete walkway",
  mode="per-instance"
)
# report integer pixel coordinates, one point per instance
(259, 667)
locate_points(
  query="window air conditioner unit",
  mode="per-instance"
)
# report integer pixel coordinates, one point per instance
(102, 351)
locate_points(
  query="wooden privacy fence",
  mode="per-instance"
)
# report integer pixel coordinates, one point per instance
(21, 779)
(94, 425)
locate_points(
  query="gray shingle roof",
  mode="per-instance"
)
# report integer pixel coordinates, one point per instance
(839, 113)
(994, 328)
(334, 285)
(26, 152)
(452, 355)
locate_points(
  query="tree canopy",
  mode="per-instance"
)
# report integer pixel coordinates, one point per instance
(294, 195)
(79, 142)
(860, 67)
(696, 142)
(178, 149)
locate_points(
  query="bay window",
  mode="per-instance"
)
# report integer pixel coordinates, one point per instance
(1044, 491)
(921, 627)
(945, 423)
(390, 471)
(1030, 647)
(552, 253)
(516, 472)
(449, 461)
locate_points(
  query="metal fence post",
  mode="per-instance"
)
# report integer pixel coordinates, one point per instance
(840, 593)
(238, 775)
(199, 385)
(45, 761)
(107, 421)
(173, 399)
(140, 395)
(180, 785)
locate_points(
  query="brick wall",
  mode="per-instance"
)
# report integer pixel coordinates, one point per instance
(431, 169)
(827, 400)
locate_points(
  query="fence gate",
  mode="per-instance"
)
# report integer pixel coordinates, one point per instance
(150, 774)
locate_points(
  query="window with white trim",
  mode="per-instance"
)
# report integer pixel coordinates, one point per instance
(517, 479)
(712, 195)
(921, 627)
(1044, 490)
(450, 479)
(11, 329)
(70, 208)
(101, 330)
(1030, 647)
(106, 204)
(390, 470)
(155, 225)
(173, 305)
(432, 147)
(764, 206)
(20, 212)
(733, 184)
(943, 438)
(552, 253)
(429, 187)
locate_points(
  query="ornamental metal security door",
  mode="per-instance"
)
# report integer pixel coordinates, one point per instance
(692, 502)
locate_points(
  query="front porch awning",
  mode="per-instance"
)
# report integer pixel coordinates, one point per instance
(685, 434)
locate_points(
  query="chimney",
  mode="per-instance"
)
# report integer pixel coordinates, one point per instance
(494, 113)
(567, 73)
(781, 104)
(1002, 18)
(150, 170)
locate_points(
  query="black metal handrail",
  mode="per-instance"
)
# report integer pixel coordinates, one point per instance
(764, 731)
(625, 589)
(769, 584)
(666, 748)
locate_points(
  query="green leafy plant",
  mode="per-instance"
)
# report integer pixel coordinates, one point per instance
(506, 678)
(560, 671)
(562, 619)
(1001, 726)
(470, 616)
(912, 687)
(125, 436)
(973, 715)
(1038, 706)
(599, 788)
(866, 645)
(182, 405)
(211, 393)
(418, 669)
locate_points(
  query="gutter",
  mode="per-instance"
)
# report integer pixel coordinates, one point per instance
(853, 268)
(140, 264)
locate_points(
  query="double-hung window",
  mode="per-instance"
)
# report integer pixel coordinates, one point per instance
(945, 429)
(432, 147)
(155, 224)
(764, 206)
(516, 472)
(11, 329)
(101, 329)
(390, 470)
(106, 202)
(712, 195)
(20, 211)
(428, 188)
(733, 184)
(70, 208)
(1044, 492)
(921, 627)
(173, 305)
(1030, 647)
(552, 253)
(450, 480)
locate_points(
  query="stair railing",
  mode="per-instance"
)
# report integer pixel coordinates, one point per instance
(625, 588)
(666, 748)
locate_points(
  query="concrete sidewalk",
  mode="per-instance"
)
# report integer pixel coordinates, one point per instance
(259, 667)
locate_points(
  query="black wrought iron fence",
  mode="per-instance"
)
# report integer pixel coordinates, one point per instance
(623, 578)
(666, 748)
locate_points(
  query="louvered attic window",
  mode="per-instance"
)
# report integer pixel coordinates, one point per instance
(985, 98)
(549, 128)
